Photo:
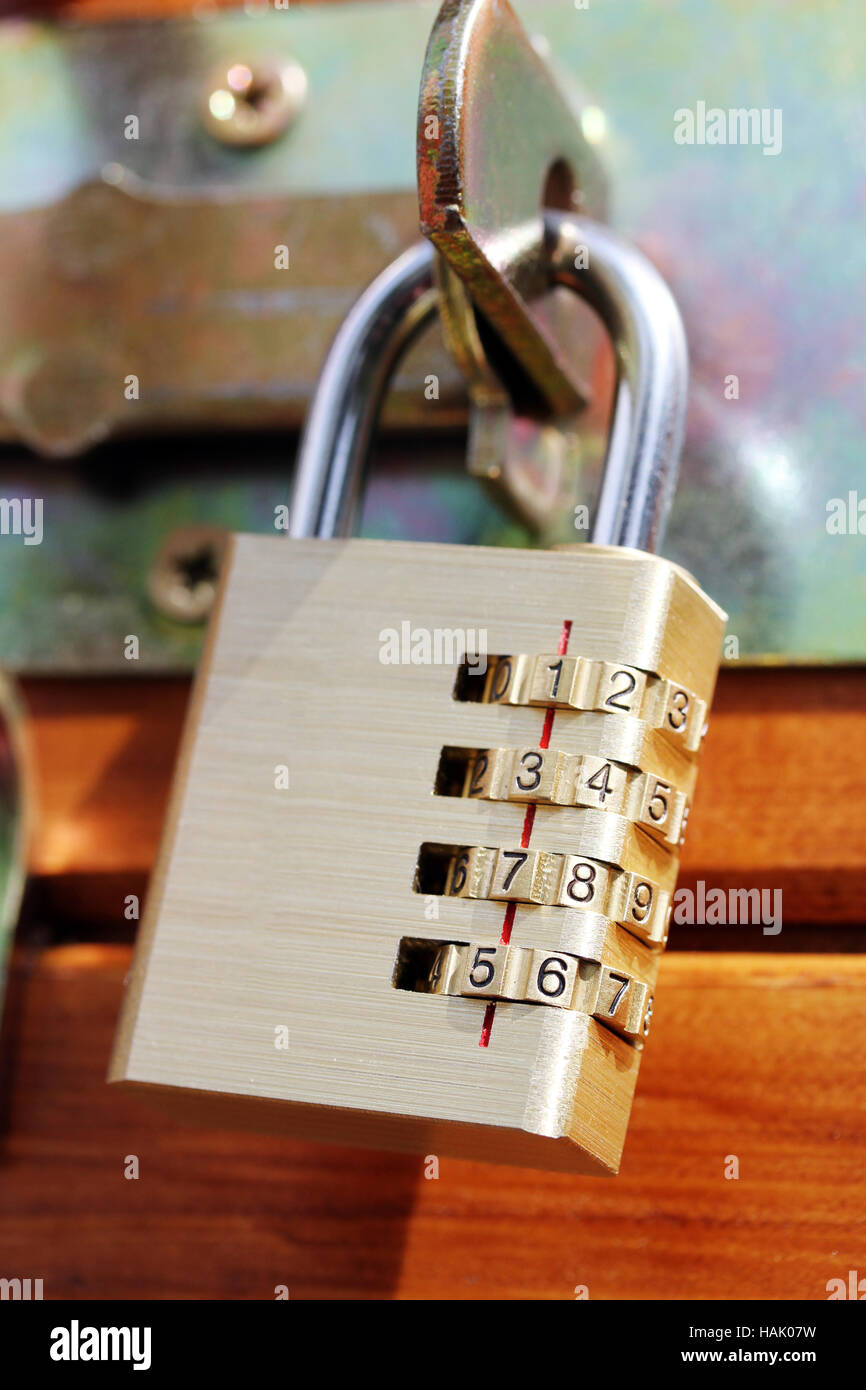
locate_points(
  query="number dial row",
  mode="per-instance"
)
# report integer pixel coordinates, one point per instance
(546, 878)
(578, 779)
(524, 975)
(578, 683)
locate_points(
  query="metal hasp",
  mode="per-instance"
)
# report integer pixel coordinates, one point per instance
(649, 411)
(497, 142)
(494, 138)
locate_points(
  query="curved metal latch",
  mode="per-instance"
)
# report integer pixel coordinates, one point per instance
(498, 140)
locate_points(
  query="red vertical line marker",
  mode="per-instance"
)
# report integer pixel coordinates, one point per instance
(528, 822)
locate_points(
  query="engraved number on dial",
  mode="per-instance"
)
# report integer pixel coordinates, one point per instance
(624, 984)
(435, 971)
(486, 967)
(580, 886)
(600, 782)
(520, 857)
(479, 771)
(459, 873)
(615, 701)
(531, 778)
(550, 980)
(501, 681)
(658, 806)
(679, 715)
(642, 901)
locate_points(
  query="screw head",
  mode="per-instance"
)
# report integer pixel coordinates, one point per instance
(252, 103)
(183, 581)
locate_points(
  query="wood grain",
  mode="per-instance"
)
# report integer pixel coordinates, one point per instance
(748, 1059)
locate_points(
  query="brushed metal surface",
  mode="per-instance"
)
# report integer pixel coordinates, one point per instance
(283, 908)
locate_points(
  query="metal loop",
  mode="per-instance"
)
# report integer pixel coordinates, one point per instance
(648, 419)
(339, 426)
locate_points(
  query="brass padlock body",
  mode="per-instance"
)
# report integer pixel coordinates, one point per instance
(265, 983)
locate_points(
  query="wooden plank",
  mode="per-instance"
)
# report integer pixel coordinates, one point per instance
(781, 801)
(104, 753)
(749, 1057)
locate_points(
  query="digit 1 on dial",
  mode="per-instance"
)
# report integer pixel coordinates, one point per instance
(554, 680)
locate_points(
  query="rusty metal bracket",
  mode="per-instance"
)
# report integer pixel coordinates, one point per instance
(174, 207)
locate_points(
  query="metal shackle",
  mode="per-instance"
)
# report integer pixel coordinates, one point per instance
(648, 418)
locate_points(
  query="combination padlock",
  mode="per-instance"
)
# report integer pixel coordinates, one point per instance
(422, 845)
(421, 849)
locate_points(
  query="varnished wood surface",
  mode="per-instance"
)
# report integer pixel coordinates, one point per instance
(752, 1058)
(754, 1055)
(781, 799)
